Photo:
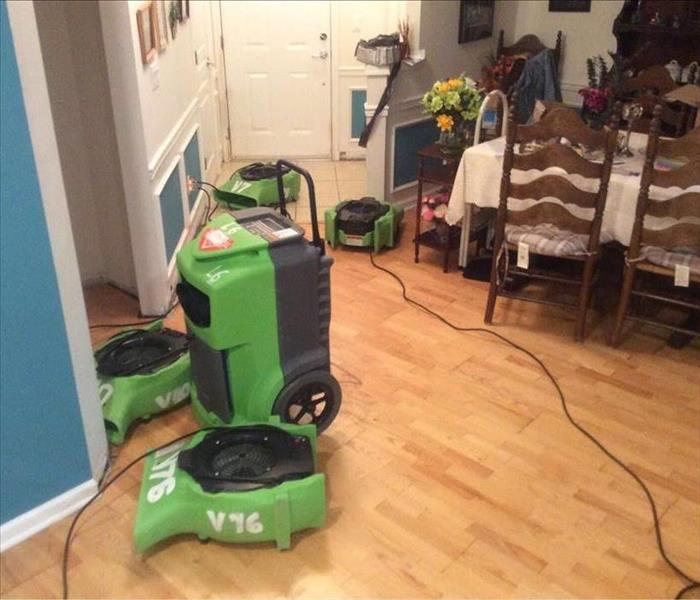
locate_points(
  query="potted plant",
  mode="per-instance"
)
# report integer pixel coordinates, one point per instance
(454, 102)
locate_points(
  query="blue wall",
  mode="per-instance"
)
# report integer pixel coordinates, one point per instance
(357, 112)
(407, 141)
(171, 212)
(42, 443)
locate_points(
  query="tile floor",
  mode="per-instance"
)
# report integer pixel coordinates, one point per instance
(333, 180)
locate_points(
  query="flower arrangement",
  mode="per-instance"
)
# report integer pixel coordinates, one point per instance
(597, 96)
(493, 75)
(453, 101)
(596, 99)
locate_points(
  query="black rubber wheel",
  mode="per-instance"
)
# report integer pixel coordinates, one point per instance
(312, 398)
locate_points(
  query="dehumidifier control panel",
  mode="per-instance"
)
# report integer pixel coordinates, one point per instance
(269, 225)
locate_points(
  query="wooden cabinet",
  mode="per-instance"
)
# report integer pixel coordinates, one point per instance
(658, 31)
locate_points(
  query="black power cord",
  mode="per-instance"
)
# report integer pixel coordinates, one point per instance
(100, 491)
(693, 583)
(104, 485)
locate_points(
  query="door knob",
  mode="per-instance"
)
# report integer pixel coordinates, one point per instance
(323, 36)
(323, 55)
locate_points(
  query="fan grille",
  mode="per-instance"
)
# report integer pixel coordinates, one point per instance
(243, 460)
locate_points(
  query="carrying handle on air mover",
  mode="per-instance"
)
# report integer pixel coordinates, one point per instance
(316, 236)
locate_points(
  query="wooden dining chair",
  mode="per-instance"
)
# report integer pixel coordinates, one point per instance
(686, 148)
(654, 253)
(528, 44)
(647, 89)
(548, 227)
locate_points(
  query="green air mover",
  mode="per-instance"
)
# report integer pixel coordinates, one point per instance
(256, 297)
(256, 185)
(244, 484)
(365, 223)
(141, 372)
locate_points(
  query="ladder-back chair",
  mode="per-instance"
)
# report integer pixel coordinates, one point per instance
(665, 258)
(548, 227)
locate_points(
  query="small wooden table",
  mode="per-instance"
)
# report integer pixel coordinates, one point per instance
(442, 172)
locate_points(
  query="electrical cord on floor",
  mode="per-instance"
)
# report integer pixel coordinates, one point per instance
(102, 488)
(355, 379)
(692, 583)
(137, 323)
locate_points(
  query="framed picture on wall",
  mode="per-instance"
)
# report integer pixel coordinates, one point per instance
(569, 5)
(475, 20)
(146, 22)
(184, 8)
(162, 24)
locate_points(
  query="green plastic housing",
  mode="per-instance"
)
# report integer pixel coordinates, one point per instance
(385, 234)
(240, 284)
(171, 502)
(238, 193)
(127, 399)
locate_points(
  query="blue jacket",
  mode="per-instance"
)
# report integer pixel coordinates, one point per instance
(538, 81)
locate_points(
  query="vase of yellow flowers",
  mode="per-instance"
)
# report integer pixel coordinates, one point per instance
(454, 103)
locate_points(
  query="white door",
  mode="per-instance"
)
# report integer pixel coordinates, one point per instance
(278, 77)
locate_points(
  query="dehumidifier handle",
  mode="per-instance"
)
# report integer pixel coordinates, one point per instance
(316, 236)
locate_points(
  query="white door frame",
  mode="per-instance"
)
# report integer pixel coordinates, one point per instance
(222, 83)
(335, 112)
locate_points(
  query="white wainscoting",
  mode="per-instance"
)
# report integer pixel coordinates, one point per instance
(402, 114)
(349, 79)
(198, 119)
(569, 93)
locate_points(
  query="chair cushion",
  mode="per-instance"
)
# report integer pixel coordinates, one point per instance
(671, 258)
(550, 240)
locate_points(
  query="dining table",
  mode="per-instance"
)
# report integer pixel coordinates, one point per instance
(477, 186)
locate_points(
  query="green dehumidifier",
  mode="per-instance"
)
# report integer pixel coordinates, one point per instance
(256, 297)
(364, 223)
(256, 185)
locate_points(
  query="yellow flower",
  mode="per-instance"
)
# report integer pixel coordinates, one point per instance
(454, 84)
(444, 87)
(445, 122)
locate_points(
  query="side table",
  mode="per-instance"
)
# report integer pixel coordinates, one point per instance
(441, 170)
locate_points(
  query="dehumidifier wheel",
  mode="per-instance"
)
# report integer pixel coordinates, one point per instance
(312, 398)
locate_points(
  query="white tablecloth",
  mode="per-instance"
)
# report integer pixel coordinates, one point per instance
(478, 182)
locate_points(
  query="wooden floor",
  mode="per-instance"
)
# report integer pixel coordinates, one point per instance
(451, 469)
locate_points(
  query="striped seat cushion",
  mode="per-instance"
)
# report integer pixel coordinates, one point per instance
(550, 240)
(671, 258)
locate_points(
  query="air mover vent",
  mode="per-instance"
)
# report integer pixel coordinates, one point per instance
(257, 171)
(357, 217)
(248, 458)
(140, 351)
(243, 460)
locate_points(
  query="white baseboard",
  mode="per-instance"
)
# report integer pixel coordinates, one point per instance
(27, 524)
(569, 93)
(406, 196)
